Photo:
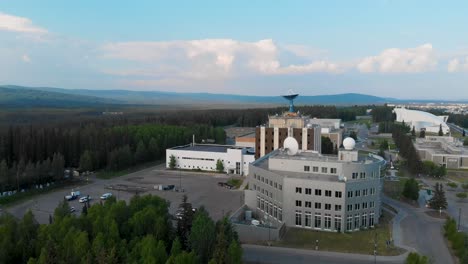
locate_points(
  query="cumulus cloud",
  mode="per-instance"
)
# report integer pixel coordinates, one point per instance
(19, 24)
(412, 60)
(206, 59)
(304, 51)
(458, 65)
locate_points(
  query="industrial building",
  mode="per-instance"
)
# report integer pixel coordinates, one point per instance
(422, 120)
(446, 151)
(306, 189)
(204, 157)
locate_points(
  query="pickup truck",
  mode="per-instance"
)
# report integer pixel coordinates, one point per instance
(72, 195)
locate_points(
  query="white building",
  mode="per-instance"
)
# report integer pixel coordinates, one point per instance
(236, 160)
(422, 120)
(446, 151)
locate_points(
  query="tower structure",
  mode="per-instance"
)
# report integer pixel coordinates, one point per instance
(290, 97)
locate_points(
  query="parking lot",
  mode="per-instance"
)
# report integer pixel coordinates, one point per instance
(200, 188)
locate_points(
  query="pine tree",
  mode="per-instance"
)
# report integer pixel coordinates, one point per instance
(411, 189)
(441, 133)
(413, 132)
(86, 161)
(219, 166)
(463, 134)
(184, 222)
(438, 201)
(141, 154)
(172, 162)
(422, 133)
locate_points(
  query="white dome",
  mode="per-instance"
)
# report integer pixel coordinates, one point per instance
(349, 143)
(291, 145)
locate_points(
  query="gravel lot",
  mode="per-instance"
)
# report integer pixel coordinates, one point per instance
(200, 188)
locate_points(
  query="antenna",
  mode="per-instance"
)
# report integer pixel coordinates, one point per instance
(290, 97)
(290, 144)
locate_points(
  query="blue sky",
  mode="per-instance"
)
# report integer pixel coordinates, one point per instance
(401, 49)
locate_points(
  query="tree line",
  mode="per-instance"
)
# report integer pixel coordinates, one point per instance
(35, 155)
(404, 142)
(117, 232)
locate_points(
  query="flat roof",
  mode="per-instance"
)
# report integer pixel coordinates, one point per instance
(314, 156)
(207, 148)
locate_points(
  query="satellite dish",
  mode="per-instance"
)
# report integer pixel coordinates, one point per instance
(290, 144)
(349, 143)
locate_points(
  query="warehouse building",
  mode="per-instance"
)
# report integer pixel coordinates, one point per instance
(204, 157)
(446, 151)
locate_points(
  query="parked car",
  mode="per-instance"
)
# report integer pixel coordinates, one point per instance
(106, 196)
(226, 185)
(84, 199)
(72, 209)
(72, 195)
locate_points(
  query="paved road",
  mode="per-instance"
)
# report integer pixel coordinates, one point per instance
(455, 127)
(274, 255)
(421, 232)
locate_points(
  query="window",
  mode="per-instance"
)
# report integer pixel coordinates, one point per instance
(306, 168)
(357, 193)
(280, 214)
(263, 179)
(280, 187)
(298, 203)
(327, 206)
(315, 169)
(255, 176)
(255, 187)
(275, 212)
(362, 175)
(308, 191)
(350, 194)
(350, 207)
(318, 192)
(271, 183)
(349, 223)
(308, 204)
(364, 205)
(308, 219)
(372, 191)
(276, 185)
(338, 223)
(258, 202)
(262, 205)
(324, 169)
(337, 207)
(298, 190)
(298, 218)
(318, 220)
(356, 206)
(270, 209)
(328, 193)
(327, 221)
(338, 194)
(364, 192)
(318, 206)
(266, 192)
(371, 204)
(355, 175)
(364, 221)
(356, 221)
(371, 219)
(333, 170)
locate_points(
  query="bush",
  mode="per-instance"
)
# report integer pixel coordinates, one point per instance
(465, 186)
(452, 185)
(462, 195)
(411, 189)
(456, 238)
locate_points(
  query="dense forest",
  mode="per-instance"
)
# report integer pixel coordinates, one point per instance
(117, 232)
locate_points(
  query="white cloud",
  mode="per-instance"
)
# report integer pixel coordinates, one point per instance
(18, 24)
(458, 65)
(304, 51)
(25, 58)
(412, 60)
(206, 59)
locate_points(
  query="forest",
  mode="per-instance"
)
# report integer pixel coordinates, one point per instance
(117, 232)
(38, 152)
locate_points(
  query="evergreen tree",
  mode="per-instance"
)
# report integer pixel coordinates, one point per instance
(58, 165)
(86, 161)
(438, 200)
(422, 133)
(413, 132)
(463, 134)
(353, 135)
(441, 132)
(234, 253)
(411, 189)
(202, 236)
(172, 162)
(4, 172)
(141, 154)
(184, 221)
(153, 149)
(219, 166)
(327, 145)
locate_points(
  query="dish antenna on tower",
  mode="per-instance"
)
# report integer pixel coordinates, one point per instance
(290, 97)
(291, 146)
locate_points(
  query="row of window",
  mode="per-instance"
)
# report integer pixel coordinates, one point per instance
(363, 192)
(327, 206)
(318, 192)
(191, 158)
(316, 169)
(355, 222)
(357, 206)
(270, 209)
(269, 182)
(362, 175)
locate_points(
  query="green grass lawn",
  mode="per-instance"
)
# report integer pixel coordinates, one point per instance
(105, 174)
(235, 182)
(393, 189)
(361, 242)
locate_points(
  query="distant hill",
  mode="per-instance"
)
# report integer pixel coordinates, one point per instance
(49, 95)
(17, 96)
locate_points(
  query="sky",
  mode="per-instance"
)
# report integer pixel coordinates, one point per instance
(399, 49)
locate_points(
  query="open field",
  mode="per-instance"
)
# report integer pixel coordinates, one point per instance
(361, 242)
(201, 190)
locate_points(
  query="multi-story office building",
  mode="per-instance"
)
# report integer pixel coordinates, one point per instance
(322, 192)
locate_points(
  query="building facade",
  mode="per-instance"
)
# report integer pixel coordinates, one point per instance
(204, 157)
(446, 151)
(319, 192)
(422, 120)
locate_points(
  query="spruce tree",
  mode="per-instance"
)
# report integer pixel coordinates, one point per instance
(438, 201)
(441, 133)
(413, 132)
(172, 162)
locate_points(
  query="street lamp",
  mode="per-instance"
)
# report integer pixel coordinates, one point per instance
(316, 244)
